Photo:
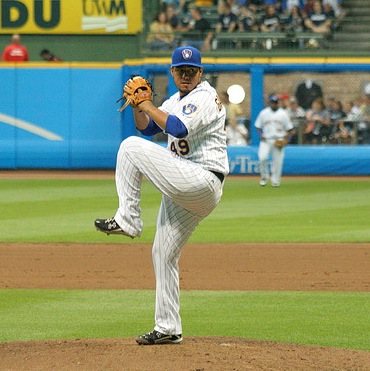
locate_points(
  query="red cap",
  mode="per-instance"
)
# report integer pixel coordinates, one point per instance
(284, 96)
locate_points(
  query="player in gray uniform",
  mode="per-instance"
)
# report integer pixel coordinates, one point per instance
(273, 124)
(189, 173)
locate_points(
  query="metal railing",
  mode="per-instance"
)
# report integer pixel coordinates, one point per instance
(268, 41)
(238, 42)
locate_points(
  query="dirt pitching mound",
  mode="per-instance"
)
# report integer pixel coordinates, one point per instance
(194, 354)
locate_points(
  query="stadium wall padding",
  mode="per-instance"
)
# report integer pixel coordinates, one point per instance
(306, 160)
(59, 117)
(66, 117)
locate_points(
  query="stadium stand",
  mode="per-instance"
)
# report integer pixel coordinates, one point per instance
(354, 32)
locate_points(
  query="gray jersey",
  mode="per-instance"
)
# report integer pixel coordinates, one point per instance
(274, 124)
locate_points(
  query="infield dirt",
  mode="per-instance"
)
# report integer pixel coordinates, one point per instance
(306, 267)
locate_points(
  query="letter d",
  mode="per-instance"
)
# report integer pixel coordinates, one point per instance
(6, 8)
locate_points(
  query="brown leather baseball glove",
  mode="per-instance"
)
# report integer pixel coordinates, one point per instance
(280, 143)
(136, 90)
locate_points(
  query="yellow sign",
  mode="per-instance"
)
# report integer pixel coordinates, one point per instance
(70, 16)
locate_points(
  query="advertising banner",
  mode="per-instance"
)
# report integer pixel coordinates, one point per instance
(70, 16)
(305, 160)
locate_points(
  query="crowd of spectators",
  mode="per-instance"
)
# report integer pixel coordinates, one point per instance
(331, 120)
(327, 121)
(317, 120)
(322, 17)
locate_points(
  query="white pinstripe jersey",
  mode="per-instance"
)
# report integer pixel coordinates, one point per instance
(202, 113)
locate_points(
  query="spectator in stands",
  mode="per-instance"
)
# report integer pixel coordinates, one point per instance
(160, 36)
(337, 115)
(364, 125)
(318, 125)
(284, 101)
(181, 8)
(328, 10)
(297, 115)
(227, 21)
(173, 18)
(330, 104)
(270, 22)
(233, 110)
(288, 5)
(351, 110)
(307, 91)
(236, 133)
(47, 56)
(343, 132)
(318, 21)
(295, 24)
(337, 112)
(295, 21)
(201, 34)
(294, 109)
(330, 13)
(15, 52)
(247, 20)
(339, 13)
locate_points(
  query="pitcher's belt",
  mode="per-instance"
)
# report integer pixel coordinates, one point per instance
(219, 175)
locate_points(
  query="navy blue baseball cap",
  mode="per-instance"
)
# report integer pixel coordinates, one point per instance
(273, 98)
(186, 56)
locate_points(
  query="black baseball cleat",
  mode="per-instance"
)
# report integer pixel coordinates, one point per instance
(156, 337)
(110, 226)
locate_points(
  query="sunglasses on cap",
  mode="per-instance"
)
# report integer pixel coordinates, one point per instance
(186, 70)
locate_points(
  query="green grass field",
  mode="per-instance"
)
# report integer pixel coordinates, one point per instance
(299, 211)
(313, 210)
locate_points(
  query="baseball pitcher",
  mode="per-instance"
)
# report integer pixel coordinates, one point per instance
(189, 173)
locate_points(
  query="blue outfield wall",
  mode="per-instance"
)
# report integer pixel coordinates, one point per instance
(66, 117)
(306, 160)
(59, 117)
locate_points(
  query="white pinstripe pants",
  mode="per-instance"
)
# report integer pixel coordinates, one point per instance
(189, 192)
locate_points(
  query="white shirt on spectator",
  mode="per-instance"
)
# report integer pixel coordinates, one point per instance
(236, 135)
